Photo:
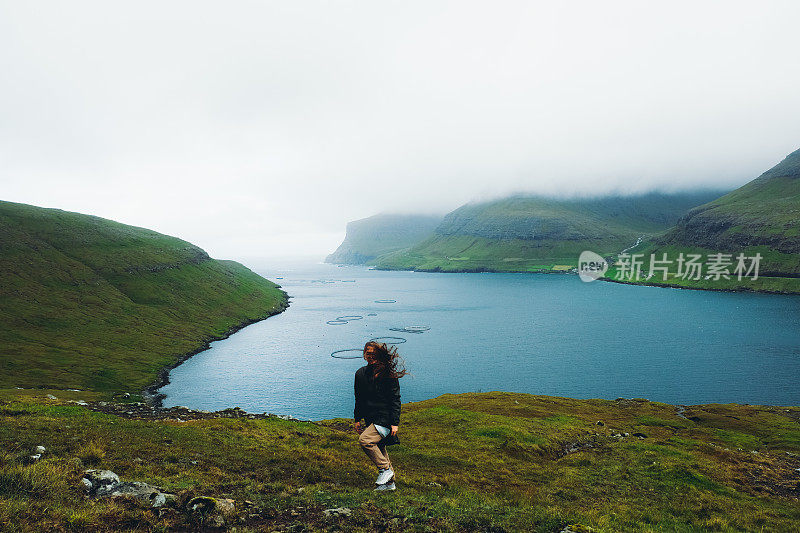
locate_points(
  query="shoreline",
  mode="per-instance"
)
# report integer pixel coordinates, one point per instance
(182, 413)
(477, 270)
(641, 283)
(154, 398)
(710, 289)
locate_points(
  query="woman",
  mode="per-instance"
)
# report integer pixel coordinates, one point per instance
(377, 392)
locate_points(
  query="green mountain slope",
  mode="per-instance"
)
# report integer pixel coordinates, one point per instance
(761, 217)
(492, 462)
(525, 233)
(379, 234)
(89, 303)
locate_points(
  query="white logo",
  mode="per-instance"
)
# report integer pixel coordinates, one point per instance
(591, 266)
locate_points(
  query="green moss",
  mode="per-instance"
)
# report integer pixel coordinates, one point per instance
(467, 463)
(655, 421)
(737, 439)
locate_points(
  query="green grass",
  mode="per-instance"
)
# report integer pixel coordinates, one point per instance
(655, 421)
(469, 462)
(89, 303)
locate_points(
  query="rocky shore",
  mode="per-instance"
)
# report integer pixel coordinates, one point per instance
(145, 411)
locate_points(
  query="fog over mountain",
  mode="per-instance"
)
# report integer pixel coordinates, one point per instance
(261, 128)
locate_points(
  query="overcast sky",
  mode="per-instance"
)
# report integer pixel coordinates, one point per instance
(260, 128)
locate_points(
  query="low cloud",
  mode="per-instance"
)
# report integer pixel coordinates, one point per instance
(261, 128)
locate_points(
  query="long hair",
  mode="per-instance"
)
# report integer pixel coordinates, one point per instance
(387, 361)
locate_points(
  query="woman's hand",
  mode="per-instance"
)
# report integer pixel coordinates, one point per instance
(357, 426)
(394, 431)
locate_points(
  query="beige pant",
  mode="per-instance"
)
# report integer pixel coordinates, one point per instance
(369, 440)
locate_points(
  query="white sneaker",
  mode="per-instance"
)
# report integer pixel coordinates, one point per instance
(386, 486)
(384, 476)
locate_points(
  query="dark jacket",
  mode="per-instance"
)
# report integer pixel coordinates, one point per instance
(377, 400)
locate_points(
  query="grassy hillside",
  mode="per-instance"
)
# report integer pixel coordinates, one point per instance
(762, 217)
(471, 462)
(379, 234)
(89, 303)
(528, 233)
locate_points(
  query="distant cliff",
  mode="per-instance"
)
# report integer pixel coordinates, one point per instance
(370, 237)
(524, 233)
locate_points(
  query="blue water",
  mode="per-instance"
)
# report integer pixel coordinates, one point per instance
(536, 333)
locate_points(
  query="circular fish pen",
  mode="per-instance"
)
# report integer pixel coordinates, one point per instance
(349, 317)
(411, 329)
(344, 319)
(394, 340)
(348, 353)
